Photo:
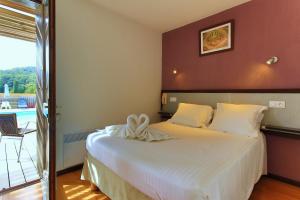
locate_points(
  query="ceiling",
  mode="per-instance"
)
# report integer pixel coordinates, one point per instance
(165, 15)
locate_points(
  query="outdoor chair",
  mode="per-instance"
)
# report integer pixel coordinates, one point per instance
(9, 128)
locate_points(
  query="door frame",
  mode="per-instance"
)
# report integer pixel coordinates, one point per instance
(52, 101)
(52, 98)
(52, 94)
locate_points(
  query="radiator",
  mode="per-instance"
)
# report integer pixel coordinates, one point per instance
(74, 149)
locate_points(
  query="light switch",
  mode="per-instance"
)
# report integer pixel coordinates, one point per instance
(277, 104)
(173, 99)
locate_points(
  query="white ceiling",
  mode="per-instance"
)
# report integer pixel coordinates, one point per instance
(165, 15)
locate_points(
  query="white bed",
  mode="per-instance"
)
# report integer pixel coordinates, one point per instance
(198, 164)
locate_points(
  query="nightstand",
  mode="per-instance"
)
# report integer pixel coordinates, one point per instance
(283, 150)
(165, 115)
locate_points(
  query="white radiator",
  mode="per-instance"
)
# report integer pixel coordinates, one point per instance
(74, 149)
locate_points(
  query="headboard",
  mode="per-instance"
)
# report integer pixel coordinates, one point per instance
(286, 117)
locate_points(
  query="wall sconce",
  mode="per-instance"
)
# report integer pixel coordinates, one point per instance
(174, 71)
(272, 60)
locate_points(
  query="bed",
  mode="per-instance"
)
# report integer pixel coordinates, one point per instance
(198, 164)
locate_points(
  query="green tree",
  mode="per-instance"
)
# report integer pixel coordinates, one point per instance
(15, 86)
(19, 80)
(30, 88)
(1, 85)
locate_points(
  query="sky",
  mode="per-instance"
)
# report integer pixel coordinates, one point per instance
(16, 53)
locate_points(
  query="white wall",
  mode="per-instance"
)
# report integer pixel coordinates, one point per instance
(107, 68)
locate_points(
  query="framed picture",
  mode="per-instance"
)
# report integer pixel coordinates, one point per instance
(217, 38)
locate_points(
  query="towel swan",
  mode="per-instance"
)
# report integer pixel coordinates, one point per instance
(137, 127)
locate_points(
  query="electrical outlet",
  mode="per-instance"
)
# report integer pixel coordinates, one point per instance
(173, 99)
(277, 104)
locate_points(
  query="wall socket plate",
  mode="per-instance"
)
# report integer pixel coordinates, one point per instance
(277, 104)
(173, 99)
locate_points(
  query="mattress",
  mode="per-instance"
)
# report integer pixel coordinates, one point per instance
(197, 164)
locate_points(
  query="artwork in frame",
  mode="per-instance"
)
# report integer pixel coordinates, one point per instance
(217, 38)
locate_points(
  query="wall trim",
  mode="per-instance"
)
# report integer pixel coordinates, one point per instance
(69, 169)
(283, 179)
(291, 90)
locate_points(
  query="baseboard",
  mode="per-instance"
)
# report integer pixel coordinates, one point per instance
(284, 179)
(69, 169)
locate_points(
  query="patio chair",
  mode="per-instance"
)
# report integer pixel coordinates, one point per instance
(22, 103)
(9, 128)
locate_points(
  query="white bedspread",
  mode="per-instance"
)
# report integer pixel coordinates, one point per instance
(199, 164)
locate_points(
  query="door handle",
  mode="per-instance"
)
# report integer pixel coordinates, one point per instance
(45, 109)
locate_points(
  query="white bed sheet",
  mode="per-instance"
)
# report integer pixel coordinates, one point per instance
(199, 164)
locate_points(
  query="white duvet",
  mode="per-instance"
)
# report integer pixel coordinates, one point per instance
(199, 164)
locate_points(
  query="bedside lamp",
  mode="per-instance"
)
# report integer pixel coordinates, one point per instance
(174, 71)
(272, 60)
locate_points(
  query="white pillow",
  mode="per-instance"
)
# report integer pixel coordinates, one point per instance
(192, 115)
(238, 119)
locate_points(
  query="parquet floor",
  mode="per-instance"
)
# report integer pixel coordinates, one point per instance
(70, 187)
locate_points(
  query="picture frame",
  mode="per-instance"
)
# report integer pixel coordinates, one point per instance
(217, 38)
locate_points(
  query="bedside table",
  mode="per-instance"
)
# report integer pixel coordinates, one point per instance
(283, 150)
(165, 115)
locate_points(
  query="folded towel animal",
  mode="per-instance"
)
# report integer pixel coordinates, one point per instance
(137, 128)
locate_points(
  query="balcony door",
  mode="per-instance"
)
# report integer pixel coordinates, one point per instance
(46, 103)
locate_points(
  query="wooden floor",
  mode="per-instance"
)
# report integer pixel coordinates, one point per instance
(13, 173)
(70, 187)
(270, 189)
(33, 192)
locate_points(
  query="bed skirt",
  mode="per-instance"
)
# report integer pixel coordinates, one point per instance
(109, 182)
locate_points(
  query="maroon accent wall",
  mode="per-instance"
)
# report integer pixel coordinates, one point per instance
(263, 28)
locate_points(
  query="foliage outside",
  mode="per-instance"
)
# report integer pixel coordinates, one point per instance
(19, 80)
